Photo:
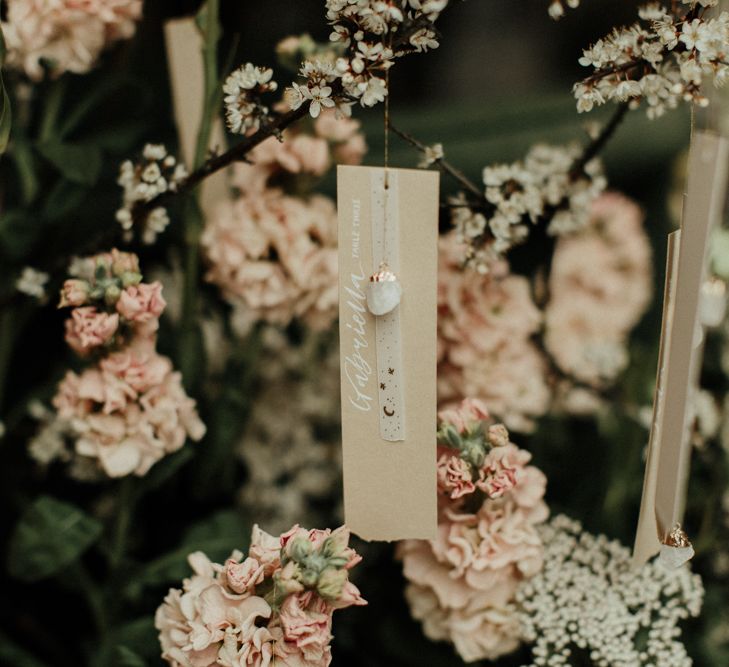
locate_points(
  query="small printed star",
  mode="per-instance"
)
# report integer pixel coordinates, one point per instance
(391, 371)
(382, 385)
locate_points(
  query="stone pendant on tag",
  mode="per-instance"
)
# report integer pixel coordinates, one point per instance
(384, 292)
(676, 550)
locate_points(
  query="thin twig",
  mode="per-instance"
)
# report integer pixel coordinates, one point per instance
(235, 154)
(443, 164)
(598, 143)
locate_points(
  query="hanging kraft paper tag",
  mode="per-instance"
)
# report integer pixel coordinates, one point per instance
(187, 79)
(388, 363)
(669, 451)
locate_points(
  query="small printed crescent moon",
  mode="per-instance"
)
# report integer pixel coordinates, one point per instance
(389, 414)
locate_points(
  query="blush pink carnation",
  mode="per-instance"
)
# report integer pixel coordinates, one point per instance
(461, 585)
(128, 411)
(223, 616)
(88, 329)
(600, 285)
(142, 304)
(67, 35)
(485, 323)
(275, 257)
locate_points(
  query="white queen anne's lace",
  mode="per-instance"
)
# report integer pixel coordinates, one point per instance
(588, 604)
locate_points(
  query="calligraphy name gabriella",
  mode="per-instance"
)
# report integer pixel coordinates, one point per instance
(356, 368)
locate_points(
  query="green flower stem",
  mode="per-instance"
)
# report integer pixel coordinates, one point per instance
(52, 110)
(125, 510)
(94, 599)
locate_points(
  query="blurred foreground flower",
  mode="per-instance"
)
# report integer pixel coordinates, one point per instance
(64, 35)
(273, 607)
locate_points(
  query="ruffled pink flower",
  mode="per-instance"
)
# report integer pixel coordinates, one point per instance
(501, 469)
(217, 618)
(275, 256)
(74, 293)
(243, 577)
(462, 584)
(128, 411)
(469, 412)
(485, 325)
(87, 329)
(142, 304)
(454, 476)
(307, 622)
(600, 285)
(67, 35)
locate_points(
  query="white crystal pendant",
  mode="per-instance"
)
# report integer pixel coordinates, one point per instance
(676, 550)
(384, 291)
(674, 557)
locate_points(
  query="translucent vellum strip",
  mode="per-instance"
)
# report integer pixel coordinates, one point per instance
(388, 339)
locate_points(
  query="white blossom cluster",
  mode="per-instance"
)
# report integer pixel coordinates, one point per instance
(157, 173)
(660, 60)
(556, 7)
(373, 33)
(590, 604)
(544, 185)
(243, 89)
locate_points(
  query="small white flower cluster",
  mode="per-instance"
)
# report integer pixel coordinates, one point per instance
(660, 60)
(544, 185)
(32, 283)
(243, 89)
(590, 604)
(374, 33)
(556, 7)
(156, 174)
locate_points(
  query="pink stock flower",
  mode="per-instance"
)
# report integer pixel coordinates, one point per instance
(469, 412)
(600, 285)
(128, 411)
(454, 476)
(243, 577)
(500, 471)
(87, 329)
(461, 585)
(142, 303)
(219, 617)
(73, 293)
(275, 257)
(485, 325)
(65, 35)
(307, 622)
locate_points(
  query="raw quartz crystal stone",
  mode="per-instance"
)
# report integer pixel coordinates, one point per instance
(676, 550)
(384, 292)
(674, 557)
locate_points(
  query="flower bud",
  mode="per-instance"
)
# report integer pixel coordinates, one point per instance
(112, 294)
(74, 293)
(331, 583)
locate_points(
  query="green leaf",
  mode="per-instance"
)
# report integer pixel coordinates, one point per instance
(12, 654)
(80, 163)
(5, 113)
(164, 470)
(18, 233)
(125, 657)
(217, 536)
(50, 536)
